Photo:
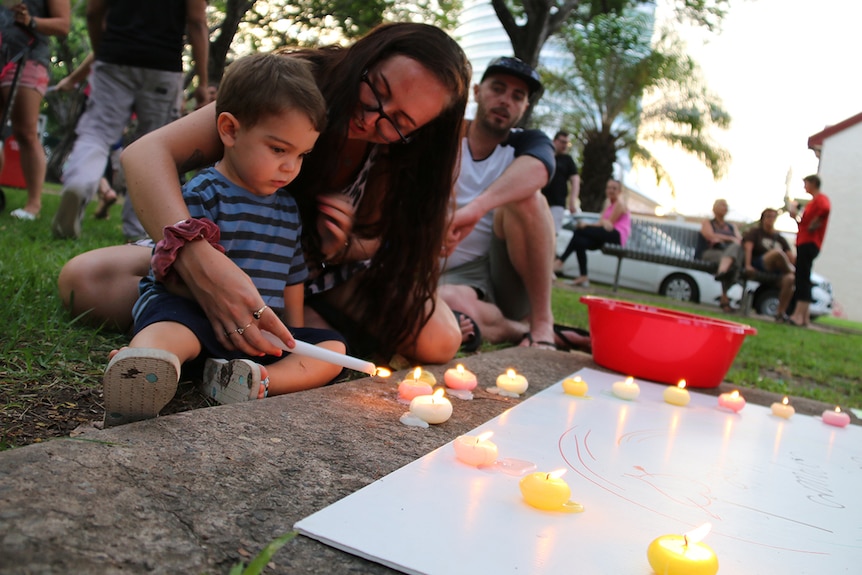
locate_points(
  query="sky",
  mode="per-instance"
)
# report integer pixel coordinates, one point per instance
(784, 70)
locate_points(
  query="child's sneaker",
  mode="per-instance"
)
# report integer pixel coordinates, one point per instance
(138, 383)
(234, 381)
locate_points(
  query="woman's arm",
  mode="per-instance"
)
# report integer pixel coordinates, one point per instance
(227, 295)
(152, 165)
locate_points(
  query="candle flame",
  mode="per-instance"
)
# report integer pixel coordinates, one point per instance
(837, 409)
(785, 401)
(382, 372)
(681, 384)
(697, 535)
(556, 474)
(630, 380)
(735, 394)
(577, 378)
(417, 373)
(484, 436)
(460, 369)
(510, 373)
(437, 394)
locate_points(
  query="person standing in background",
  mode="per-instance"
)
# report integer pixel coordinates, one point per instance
(565, 178)
(809, 240)
(138, 69)
(24, 32)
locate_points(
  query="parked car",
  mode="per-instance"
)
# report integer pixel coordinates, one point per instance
(675, 282)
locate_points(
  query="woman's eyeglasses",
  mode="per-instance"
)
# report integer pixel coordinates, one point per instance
(385, 125)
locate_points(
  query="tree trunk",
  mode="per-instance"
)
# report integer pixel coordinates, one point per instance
(600, 153)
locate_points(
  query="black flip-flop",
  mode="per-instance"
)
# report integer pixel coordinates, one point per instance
(580, 344)
(473, 341)
(534, 343)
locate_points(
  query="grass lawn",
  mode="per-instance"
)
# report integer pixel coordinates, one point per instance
(51, 366)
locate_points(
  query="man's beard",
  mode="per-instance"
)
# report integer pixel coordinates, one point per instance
(495, 128)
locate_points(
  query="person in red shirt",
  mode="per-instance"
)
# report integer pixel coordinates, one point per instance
(809, 240)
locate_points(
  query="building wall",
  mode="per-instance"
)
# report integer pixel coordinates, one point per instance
(841, 173)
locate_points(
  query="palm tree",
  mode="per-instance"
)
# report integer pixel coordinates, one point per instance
(624, 91)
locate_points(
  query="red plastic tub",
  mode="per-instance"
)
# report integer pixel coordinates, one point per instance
(662, 345)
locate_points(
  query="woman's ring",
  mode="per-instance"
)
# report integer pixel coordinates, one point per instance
(259, 313)
(241, 330)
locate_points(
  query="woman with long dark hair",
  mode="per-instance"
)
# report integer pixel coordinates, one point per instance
(375, 195)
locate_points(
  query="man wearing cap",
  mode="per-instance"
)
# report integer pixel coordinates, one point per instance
(500, 243)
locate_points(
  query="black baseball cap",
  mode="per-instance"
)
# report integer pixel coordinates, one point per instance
(515, 67)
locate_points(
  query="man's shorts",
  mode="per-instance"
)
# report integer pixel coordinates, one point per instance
(495, 281)
(34, 76)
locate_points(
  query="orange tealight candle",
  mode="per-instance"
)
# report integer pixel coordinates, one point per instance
(575, 386)
(783, 409)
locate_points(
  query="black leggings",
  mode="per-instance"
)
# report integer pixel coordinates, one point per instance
(805, 255)
(589, 238)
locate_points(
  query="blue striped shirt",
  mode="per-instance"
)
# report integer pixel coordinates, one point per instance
(260, 234)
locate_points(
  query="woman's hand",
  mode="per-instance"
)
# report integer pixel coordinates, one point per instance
(334, 223)
(230, 300)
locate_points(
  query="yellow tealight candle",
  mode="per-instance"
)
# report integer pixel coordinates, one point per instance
(545, 491)
(512, 382)
(424, 375)
(627, 389)
(783, 409)
(678, 394)
(575, 386)
(683, 554)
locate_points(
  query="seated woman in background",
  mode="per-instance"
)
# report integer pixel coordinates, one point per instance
(720, 241)
(385, 161)
(766, 250)
(612, 228)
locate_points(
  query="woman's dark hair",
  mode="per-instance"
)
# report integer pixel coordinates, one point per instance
(418, 177)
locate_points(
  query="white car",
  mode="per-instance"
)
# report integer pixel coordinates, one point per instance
(683, 284)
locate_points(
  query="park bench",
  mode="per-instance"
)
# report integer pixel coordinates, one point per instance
(672, 244)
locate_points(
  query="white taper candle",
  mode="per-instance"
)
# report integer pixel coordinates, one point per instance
(329, 356)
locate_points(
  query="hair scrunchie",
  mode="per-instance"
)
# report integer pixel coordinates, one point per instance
(177, 236)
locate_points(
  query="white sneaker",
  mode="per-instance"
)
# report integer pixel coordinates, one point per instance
(138, 383)
(22, 214)
(234, 381)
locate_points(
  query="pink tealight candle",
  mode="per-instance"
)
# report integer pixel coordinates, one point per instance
(837, 417)
(476, 450)
(414, 386)
(459, 378)
(783, 409)
(732, 401)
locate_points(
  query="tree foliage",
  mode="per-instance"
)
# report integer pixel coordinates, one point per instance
(530, 23)
(623, 91)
